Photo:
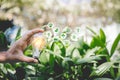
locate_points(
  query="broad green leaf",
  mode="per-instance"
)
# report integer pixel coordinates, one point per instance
(57, 50)
(51, 78)
(42, 77)
(76, 54)
(96, 41)
(82, 46)
(30, 70)
(67, 59)
(62, 48)
(102, 36)
(99, 40)
(52, 53)
(8, 66)
(52, 46)
(103, 51)
(58, 47)
(52, 56)
(91, 52)
(88, 60)
(28, 52)
(77, 44)
(17, 65)
(44, 57)
(114, 45)
(103, 79)
(3, 68)
(102, 69)
(70, 50)
(52, 59)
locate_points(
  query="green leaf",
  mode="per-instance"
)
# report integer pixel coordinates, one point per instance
(44, 57)
(102, 36)
(52, 59)
(30, 70)
(3, 42)
(118, 74)
(58, 51)
(103, 79)
(70, 50)
(91, 30)
(58, 47)
(96, 41)
(53, 56)
(88, 60)
(62, 48)
(18, 35)
(65, 64)
(28, 52)
(76, 54)
(2, 68)
(114, 45)
(99, 40)
(91, 52)
(102, 69)
(82, 46)
(103, 51)
(52, 53)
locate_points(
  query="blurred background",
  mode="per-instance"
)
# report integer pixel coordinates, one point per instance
(29, 14)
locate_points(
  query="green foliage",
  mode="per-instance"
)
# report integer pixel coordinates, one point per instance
(99, 40)
(78, 61)
(2, 37)
(18, 35)
(3, 41)
(102, 36)
(116, 42)
(102, 69)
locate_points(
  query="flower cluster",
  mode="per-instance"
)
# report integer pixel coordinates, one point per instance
(66, 35)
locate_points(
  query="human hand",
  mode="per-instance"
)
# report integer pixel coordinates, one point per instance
(15, 53)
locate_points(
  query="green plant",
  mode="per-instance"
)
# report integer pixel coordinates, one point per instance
(68, 58)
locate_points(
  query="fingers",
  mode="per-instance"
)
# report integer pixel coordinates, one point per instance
(31, 33)
(29, 59)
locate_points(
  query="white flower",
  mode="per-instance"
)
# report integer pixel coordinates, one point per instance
(63, 35)
(56, 38)
(77, 30)
(67, 30)
(66, 42)
(74, 37)
(50, 25)
(56, 30)
(48, 34)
